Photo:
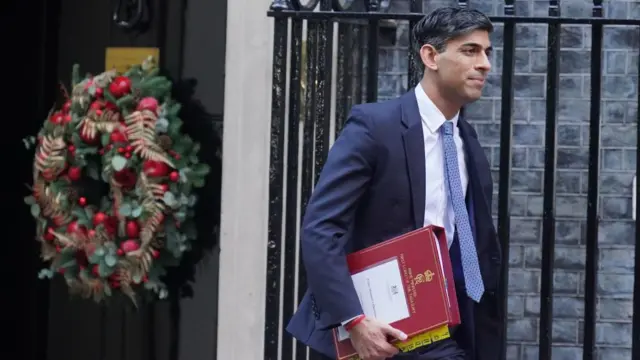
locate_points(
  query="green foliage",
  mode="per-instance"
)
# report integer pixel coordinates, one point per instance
(83, 259)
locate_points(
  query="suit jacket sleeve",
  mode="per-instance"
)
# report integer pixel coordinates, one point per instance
(330, 212)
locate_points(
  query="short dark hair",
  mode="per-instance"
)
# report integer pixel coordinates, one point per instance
(444, 24)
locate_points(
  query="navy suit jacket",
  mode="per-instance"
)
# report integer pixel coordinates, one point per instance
(372, 188)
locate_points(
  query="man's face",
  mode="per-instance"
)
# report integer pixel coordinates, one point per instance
(462, 68)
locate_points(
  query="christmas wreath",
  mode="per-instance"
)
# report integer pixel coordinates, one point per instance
(113, 176)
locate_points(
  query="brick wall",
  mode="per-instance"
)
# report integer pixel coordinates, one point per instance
(618, 159)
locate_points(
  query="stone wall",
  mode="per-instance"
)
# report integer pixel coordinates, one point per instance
(618, 162)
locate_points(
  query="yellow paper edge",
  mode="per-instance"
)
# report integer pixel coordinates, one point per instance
(420, 340)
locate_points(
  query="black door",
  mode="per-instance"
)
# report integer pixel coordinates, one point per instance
(46, 38)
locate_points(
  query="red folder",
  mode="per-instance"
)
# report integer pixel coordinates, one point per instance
(407, 282)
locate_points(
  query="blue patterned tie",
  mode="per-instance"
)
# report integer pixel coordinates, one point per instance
(468, 254)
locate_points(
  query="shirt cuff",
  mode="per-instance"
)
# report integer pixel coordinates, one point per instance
(349, 320)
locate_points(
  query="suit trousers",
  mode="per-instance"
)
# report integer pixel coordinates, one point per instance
(460, 346)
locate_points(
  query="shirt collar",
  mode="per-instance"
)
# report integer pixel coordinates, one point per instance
(431, 116)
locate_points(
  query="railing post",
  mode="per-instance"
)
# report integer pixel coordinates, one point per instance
(635, 331)
(504, 185)
(549, 211)
(593, 218)
(276, 183)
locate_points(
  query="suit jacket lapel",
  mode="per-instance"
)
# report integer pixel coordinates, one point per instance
(414, 151)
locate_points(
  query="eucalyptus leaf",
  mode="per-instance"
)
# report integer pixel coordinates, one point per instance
(94, 258)
(69, 263)
(180, 215)
(125, 209)
(201, 169)
(111, 247)
(192, 200)
(79, 213)
(110, 260)
(169, 198)
(89, 211)
(105, 139)
(30, 200)
(35, 210)
(45, 273)
(84, 222)
(137, 212)
(93, 172)
(163, 294)
(198, 182)
(162, 125)
(118, 162)
(99, 252)
(105, 270)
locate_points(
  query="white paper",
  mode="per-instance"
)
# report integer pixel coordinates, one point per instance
(381, 293)
(446, 286)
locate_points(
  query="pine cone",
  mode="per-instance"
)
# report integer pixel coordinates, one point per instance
(165, 142)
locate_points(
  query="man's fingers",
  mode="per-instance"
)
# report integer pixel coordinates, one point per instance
(389, 349)
(389, 330)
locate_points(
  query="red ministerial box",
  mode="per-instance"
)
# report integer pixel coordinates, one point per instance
(406, 282)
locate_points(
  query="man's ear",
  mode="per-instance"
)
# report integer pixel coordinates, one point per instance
(429, 56)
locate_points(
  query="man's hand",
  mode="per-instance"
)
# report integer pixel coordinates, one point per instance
(371, 339)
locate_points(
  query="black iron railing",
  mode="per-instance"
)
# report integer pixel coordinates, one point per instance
(304, 94)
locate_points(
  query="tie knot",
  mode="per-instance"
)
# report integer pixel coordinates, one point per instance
(447, 127)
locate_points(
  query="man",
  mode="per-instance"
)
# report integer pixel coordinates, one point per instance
(397, 166)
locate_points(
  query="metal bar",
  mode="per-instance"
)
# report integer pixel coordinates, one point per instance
(276, 171)
(343, 75)
(372, 61)
(359, 63)
(504, 187)
(307, 146)
(323, 97)
(336, 15)
(593, 219)
(548, 213)
(415, 73)
(291, 211)
(635, 330)
(323, 107)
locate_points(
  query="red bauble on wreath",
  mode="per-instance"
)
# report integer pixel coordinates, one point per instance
(120, 86)
(121, 239)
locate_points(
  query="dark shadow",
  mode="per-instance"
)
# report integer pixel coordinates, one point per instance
(205, 129)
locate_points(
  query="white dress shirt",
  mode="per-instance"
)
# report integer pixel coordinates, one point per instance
(437, 207)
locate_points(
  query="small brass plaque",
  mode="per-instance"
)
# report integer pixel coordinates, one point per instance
(122, 58)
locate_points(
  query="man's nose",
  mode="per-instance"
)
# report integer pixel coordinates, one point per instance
(484, 64)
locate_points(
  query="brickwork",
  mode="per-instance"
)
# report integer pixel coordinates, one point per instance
(618, 162)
